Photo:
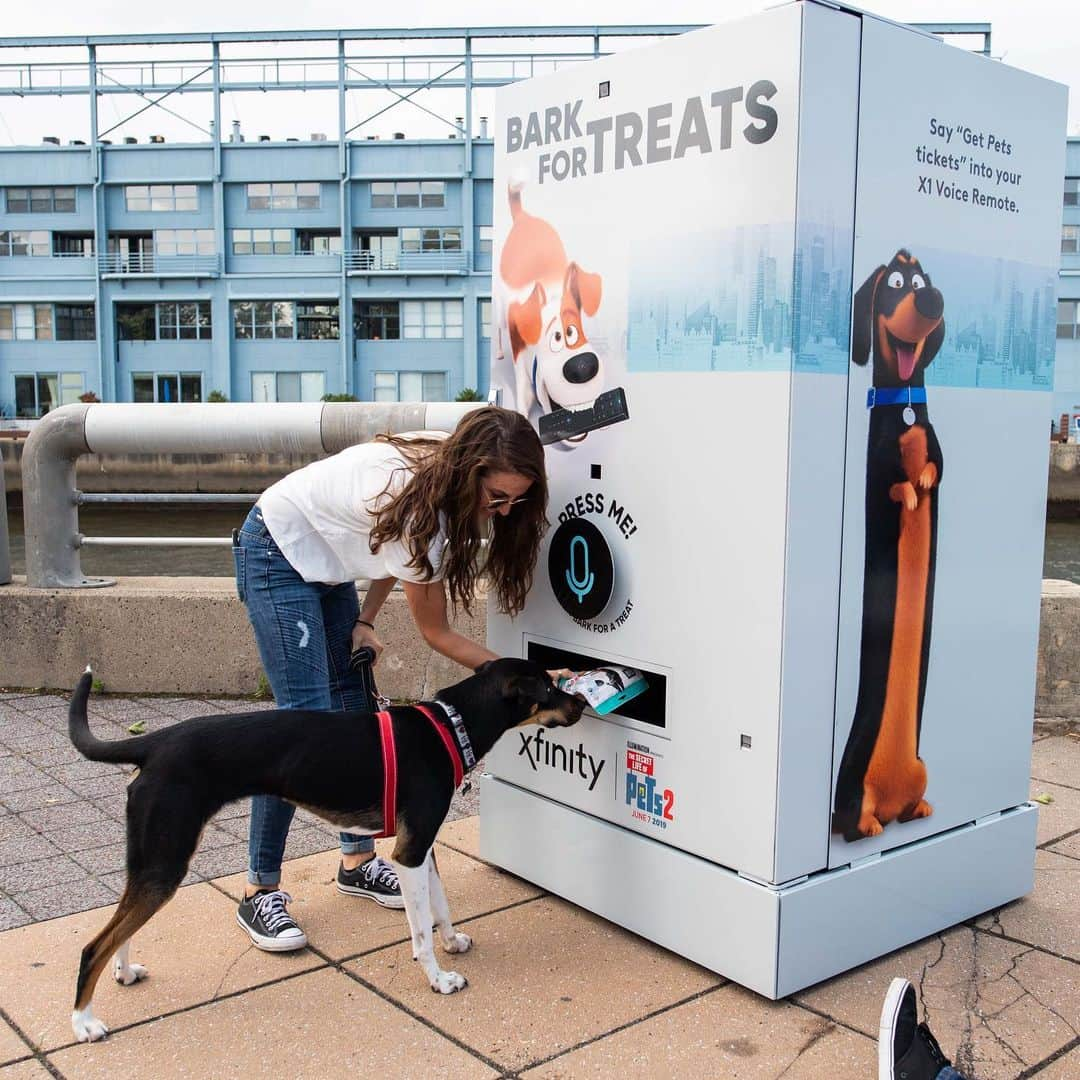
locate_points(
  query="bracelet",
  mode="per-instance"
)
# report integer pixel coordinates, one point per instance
(364, 622)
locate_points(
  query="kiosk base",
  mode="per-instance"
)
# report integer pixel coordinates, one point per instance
(774, 940)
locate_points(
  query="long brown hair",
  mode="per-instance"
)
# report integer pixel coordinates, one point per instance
(447, 476)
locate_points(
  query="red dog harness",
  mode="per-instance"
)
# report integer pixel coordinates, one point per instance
(389, 757)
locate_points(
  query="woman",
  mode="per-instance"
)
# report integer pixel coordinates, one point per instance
(402, 508)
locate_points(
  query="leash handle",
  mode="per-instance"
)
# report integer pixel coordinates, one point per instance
(361, 665)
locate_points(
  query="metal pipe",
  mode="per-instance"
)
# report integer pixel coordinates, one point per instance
(50, 499)
(152, 541)
(164, 497)
(5, 550)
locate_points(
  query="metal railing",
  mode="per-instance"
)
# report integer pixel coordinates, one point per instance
(407, 262)
(51, 501)
(5, 548)
(117, 264)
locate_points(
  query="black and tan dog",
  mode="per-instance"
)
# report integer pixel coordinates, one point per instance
(898, 317)
(329, 762)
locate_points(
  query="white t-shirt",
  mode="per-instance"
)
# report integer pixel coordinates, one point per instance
(321, 517)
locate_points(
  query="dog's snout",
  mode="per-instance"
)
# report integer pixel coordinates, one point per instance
(929, 302)
(581, 368)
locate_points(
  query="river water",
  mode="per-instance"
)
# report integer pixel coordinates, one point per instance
(1062, 555)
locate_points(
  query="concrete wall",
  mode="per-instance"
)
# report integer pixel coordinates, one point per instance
(182, 636)
(1064, 473)
(191, 636)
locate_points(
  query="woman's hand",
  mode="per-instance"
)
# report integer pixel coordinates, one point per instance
(363, 635)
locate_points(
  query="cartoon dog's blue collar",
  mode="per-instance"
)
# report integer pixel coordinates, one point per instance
(895, 395)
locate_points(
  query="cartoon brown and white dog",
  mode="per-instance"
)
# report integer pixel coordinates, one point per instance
(544, 298)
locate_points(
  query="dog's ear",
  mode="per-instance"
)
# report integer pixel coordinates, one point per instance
(525, 320)
(483, 667)
(862, 317)
(585, 288)
(933, 343)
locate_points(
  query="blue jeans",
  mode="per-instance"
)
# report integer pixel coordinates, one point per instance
(304, 633)
(949, 1073)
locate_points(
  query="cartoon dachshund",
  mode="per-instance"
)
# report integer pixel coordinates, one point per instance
(554, 364)
(897, 314)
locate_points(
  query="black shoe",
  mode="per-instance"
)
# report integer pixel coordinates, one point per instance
(268, 923)
(375, 879)
(907, 1050)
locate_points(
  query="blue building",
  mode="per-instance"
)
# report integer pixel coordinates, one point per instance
(1067, 358)
(284, 270)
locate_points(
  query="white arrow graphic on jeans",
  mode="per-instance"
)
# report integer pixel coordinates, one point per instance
(305, 634)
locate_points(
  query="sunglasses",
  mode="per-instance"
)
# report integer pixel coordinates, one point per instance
(500, 501)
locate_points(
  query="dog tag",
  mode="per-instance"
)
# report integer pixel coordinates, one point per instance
(909, 415)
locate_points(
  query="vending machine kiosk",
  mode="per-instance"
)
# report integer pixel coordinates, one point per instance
(779, 297)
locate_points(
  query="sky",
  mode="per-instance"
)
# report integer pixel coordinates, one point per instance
(1041, 36)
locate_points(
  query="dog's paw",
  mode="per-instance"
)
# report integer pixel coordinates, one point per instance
(448, 982)
(130, 975)
(87, 1027)
(459, 943)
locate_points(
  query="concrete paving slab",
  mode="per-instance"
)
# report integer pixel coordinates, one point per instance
(318, 1025)
(11, 1046)
(39, 874)
(340, 926)
(86, 837)
(1069, 846)
(1060, 816)
(1048, 917)
(1057, 760)
(66, 898)
(193, 948)
(18, 775)
(11, 915)
(47, 819)
(996, 1007)
(1066, 1067)
(48, 794)
(543, 977)
(728, 1033)
(26, 1070)
(462, 835)
(22, 849)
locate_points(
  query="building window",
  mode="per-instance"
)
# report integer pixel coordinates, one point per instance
(36, 394)
(379, 250)
(166, 387)
(318, 243)
(25, 243)
(263, 319)
(415, 240)
(432, 318)
(185, 320)
(287, 385)
(408, 194)
(157, 198)
(1068, 318)
(377, 320)
(46, 200)
(317, 320)
(184, 241)
(487, 234)
(75, 322)
(1070, 239)
(26, 322)
(410, 386)
(1072, 190)
(136, 322)
(73, 245)
(485, 318)
(262, 242)
(284, 196)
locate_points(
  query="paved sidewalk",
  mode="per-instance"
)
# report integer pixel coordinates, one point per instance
(554, 992)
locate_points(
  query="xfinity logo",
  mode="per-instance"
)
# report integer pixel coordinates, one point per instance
(541, 751)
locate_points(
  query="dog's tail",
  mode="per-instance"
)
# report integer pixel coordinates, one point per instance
(127, 751)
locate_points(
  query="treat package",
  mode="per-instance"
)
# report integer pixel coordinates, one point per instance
(606, 688)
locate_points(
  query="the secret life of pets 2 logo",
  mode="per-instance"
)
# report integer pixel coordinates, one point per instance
(648, 801)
